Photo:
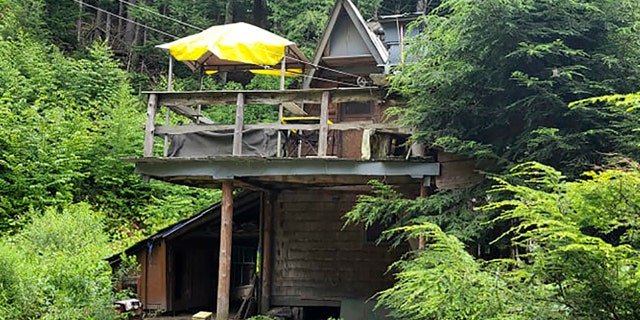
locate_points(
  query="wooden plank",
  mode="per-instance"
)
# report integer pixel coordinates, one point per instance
(273, 97)
(149, 131)
(294, 109)
(237, 131)
(191, 114)
(267, 253)
(342, 126)
(224, 267)
(324, 128)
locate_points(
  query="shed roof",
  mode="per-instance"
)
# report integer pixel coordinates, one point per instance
(209, 214)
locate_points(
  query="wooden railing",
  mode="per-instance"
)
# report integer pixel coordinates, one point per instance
(188, 104)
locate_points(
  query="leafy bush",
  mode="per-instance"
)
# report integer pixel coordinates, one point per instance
(54, 268)
(577, 254)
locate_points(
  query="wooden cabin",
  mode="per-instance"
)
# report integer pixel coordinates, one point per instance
(300, 175)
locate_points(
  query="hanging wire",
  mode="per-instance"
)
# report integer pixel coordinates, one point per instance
(126, 19)
(162, 15)
(316, 66)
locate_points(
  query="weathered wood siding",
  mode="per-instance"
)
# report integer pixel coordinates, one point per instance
(316, 262)
(152, 284)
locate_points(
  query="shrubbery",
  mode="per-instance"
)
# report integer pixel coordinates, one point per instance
(55, 268)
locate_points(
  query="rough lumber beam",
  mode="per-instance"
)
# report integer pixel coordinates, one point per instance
(237, 130)
(324, 127)
(224, 267)
(294, 109)
(273, 97)
(149, 131)
(267, 252)
(341, 126)
(191, 114)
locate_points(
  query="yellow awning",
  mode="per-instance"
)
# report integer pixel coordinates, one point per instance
(236, 46)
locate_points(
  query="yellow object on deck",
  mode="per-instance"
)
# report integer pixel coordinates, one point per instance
(303, 120)
(202, 315)
(235, 46)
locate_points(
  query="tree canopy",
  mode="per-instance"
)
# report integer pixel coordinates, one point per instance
(493, 79)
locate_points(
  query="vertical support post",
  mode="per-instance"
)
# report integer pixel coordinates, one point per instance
(150, 127)
(283, 68)
(267, 253)
(324, 126)
(237, 131)
(170, 74)
(224, 267)
(165, 151)
(425, 191)
(199, 107)
(165, 147)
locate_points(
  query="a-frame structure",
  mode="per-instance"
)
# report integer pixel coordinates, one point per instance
(349, 46)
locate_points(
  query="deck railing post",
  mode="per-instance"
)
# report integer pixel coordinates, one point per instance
(150, 127)
(324, 126)
(237, 131)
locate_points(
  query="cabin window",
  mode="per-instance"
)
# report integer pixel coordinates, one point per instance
(243, 265)
(356, 109)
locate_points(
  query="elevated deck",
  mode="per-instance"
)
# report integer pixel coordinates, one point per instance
(273, 167)
(279, 173)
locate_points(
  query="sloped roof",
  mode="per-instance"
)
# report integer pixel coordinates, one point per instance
(374, 45)
(209, 214)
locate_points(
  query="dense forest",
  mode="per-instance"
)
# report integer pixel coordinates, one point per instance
(542, 92)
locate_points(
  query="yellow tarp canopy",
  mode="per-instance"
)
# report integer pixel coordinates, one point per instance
(236, 46)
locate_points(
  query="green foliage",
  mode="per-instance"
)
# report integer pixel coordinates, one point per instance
(443, 281)
(451, 209)
(65, 126)
(499, 74)
(54, 268)
(577, 254)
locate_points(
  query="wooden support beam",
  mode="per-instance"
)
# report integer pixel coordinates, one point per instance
(341, 126)
(149, 131)
(267, 252)
(272, 97)
(224, 267)
(324, 126)
(237, 130)
(425, 191)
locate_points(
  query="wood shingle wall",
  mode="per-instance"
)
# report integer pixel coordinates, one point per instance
(316, 262)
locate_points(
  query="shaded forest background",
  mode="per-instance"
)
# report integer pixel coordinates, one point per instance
(494, 80)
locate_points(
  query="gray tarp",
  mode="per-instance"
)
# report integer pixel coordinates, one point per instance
(260, 143)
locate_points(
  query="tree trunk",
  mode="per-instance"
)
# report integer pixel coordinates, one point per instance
(98, 32)
(107, 29)
(260, 13)
(79, 24)
(120, 13)
(130, 28)
(421, 6)
(228, 13)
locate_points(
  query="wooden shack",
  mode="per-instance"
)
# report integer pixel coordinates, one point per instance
(334, 141)
(178, 264)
